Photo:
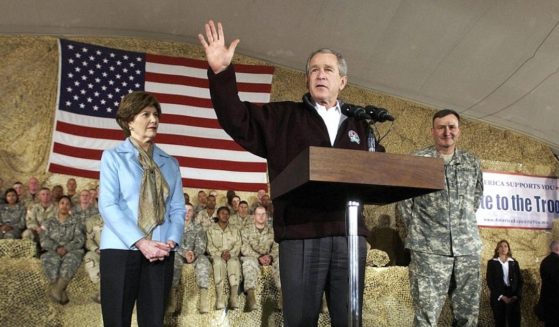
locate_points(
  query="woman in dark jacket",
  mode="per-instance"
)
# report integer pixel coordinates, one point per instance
(505, 285)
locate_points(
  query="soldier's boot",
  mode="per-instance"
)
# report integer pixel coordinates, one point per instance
(219, 297)
(251, 300)
(53, 291)
(234, 297)
(323, 304)
(204, 306)
(61, 286)
(172, 303)
(280, 301)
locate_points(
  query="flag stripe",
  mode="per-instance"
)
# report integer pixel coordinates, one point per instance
(92, 80)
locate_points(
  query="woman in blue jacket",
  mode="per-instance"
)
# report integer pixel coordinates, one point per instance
(142, 204)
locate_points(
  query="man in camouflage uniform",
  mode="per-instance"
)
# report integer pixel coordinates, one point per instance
(93, 228)
(258, 249)
(37, 214)
(224, 247)
(206, 217)
(63, 240)
(443, 236)
(84, 207)
(242, 218)
(71, 187)
(192, 251)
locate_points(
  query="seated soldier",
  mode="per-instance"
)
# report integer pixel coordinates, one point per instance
(202, 201)
(63, 240)
(258, 249)
(206, 217)
(192, 251)
(71, 191)
(84, 207)
(93, 228)
(241, 218)
(12, 216)
(224, 246)
(38, 214)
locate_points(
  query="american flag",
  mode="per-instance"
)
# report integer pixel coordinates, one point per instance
(92, 80)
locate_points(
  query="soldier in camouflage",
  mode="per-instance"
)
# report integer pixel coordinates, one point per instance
(63, 239)
(93, 228)
(242, 217)
(258, 249)
(12, 216)
(37, 214)
(443, 236)
(84, 207)
(192, 251)
(224, 247)
(206, 217)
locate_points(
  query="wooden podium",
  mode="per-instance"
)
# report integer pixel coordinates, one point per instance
(340, 177)
(368, 177)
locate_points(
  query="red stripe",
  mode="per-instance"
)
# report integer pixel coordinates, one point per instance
(220, 185)
(190, 121)
(241, 68)
(183, 99)
(190, 162)
(203, 83)
(91, 132)
(71, 151)
(54, 168)
(100, 133)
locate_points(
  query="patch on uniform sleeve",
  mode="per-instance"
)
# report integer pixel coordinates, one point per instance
(354, 137)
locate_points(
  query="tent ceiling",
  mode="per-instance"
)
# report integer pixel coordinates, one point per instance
(497, 61)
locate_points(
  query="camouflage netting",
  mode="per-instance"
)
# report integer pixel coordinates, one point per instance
(17, 249)
(387, 300)
(377, 258)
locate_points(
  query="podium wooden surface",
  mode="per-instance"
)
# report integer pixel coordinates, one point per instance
(330, 174)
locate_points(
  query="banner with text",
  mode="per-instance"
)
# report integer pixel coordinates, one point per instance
(518, 201)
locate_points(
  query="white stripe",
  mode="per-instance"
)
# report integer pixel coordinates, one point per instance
(200, 92)
(184, 110)
(209, 154)
(84, 142)
(168, 69)
(222, 175)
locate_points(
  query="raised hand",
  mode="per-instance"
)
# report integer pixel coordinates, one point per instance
(219, 56)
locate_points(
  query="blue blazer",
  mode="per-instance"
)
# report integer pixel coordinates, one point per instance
(120, 180)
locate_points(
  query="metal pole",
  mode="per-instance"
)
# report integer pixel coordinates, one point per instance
(352, 213)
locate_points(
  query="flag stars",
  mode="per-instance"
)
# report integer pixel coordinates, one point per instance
(82, 105)
(68, 103)
(89, 86)
(69, 89)
(95, 108)
(112, 55)
(84, 50)
(76, 97)
(77, 83)
(83, 92)
(89, 99)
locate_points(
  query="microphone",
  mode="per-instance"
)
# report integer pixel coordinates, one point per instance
(379, 114)
(369, 112)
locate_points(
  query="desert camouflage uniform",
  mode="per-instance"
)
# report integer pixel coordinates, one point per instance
(256, 243)
(202, 218)
(218, 241)
(82, 214)
(14, 217)
(35, 217)
(29, 200)
(444, 240)
(93, 228)
(194, 239)
(68, 234)
(240, 222)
